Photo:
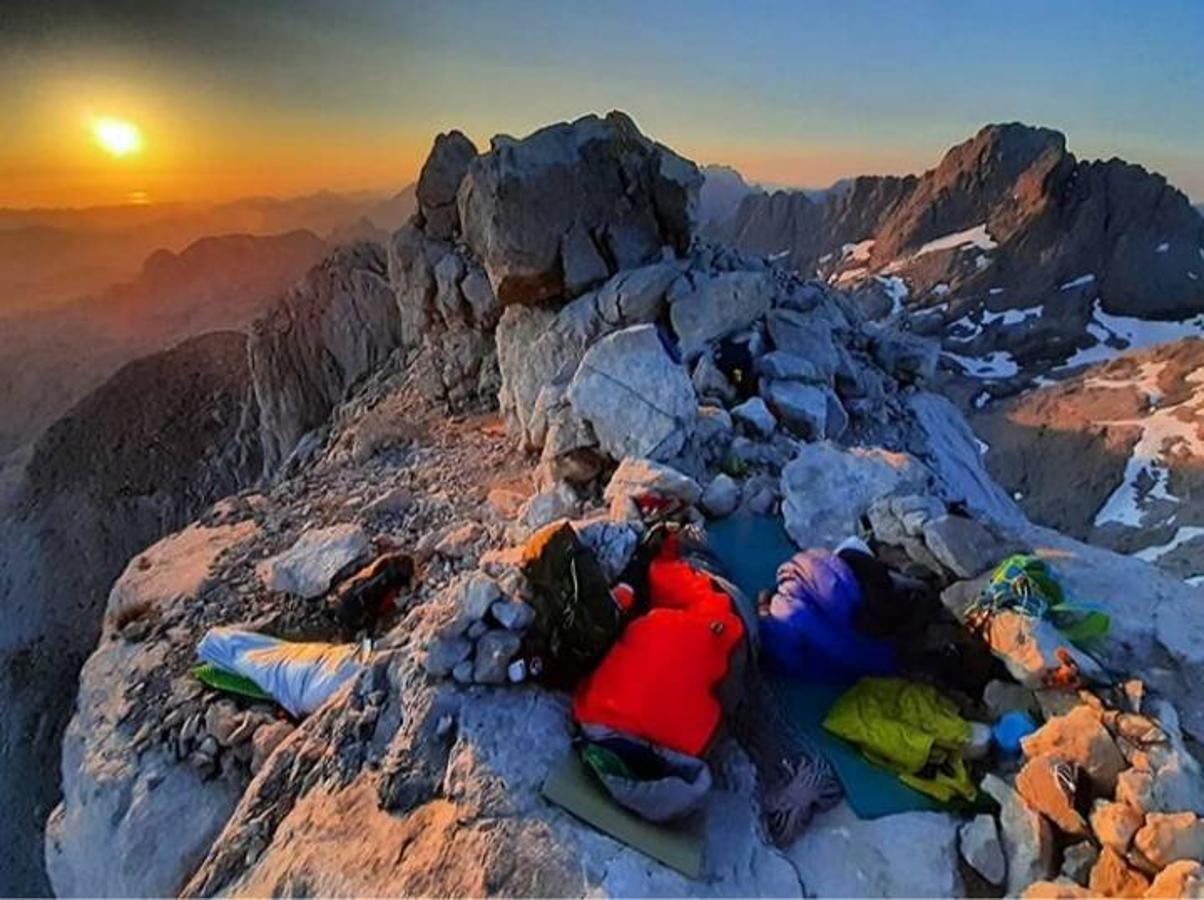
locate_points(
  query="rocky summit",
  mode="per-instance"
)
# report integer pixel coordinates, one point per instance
(550, 355)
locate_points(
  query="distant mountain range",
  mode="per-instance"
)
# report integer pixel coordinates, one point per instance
(1021, 258)
(50, 256)
(49, 359)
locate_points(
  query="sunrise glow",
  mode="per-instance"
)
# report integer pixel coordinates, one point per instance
(117, 137)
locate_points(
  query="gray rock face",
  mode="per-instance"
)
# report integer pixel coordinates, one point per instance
(810, 411)
(336, 326)
(806, 335)
(552, 213)
(755, 415)
(964, 546)
(825, 489)
(779, 365)
(907, 357)
(978, 841)
(721, 496)
(638, 401)
(704, 308)
(908, 855)
(307, 568)
(439, 181)
(1028, 839)
(539, 349)
(495, 649)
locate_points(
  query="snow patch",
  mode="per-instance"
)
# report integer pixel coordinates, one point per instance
(1182, 536)
(1078, 282)
(1012, 316)
(998, 364)
(1163, 247)
(1131, 333)
(978, 236)
(895, 288)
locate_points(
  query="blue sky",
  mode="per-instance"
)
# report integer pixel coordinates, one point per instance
(792, 93)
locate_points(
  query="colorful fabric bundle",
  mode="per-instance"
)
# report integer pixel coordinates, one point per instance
(1026, 584)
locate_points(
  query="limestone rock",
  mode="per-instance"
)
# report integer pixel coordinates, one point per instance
(755, 415)
(444, 654)
(826, 490)
(1111, 876)
(1028, 840)
(638, 400)
(309, 566)
(964, 546)
(636, 477)
(906, 855)
(1180, 879)
(439, 180)
(778, 365)
(978, 842)
(1047, 785)
(546, 507)
(1168, 837)
(1080, 737)
(804, 335)
(1078, 860)
(266, 739)
(1029, 648)
(704, 308)
(512, 614)
(495, 649)
(721, 496)
(806, 409)
(1115, 824)
(554, 204)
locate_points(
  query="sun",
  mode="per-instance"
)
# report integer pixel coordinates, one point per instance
(117, 136)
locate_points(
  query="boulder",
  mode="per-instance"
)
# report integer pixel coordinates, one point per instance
(444, 654)
(551, 213)
(906, 855)
(907, 357)
(721, 496)
(806, 335)
(1062, 889)
(1184, 879)
(1028, 840)
(1047, 785)
(638, 477)
(806, 409)
(495, 649)
(637, 399)
(1111, 876)
(1169, 837)
(710, 382)
(439, 181)
(512, 614)
(704, 307)
(755, 415)
(1029, 647)
(310, 565)
(964, 546)
(826, 489)
(978, 842)
(1115, 824)
(1080, 737)
(778, 365)
(1078, 860)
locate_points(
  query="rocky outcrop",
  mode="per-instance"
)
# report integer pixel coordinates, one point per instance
(142, 455)
(331, 330)
(560, 211)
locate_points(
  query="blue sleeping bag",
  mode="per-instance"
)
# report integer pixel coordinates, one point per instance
(809, 632)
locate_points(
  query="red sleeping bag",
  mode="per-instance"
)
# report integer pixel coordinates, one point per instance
(659, 681)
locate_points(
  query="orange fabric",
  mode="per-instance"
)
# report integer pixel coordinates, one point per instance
(658, 681)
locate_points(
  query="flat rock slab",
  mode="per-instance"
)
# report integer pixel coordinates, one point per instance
(307, 568)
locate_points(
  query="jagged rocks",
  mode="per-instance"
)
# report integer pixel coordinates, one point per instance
(1080, 737)
(494, 651)
(572, 203)
(978, 843)
(638, 401)
(1184, 879)
(755, 416)
(308, 568)
(1047, 785)
(1115, 824)
(1111, 876)
(1170, 837)
(704, 308)
(332, 329)
(637, 477)
(826, 490)
(439, 181)
(812, 412)
(1028, 840)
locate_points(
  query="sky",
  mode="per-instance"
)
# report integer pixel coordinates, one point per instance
(256, 97)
